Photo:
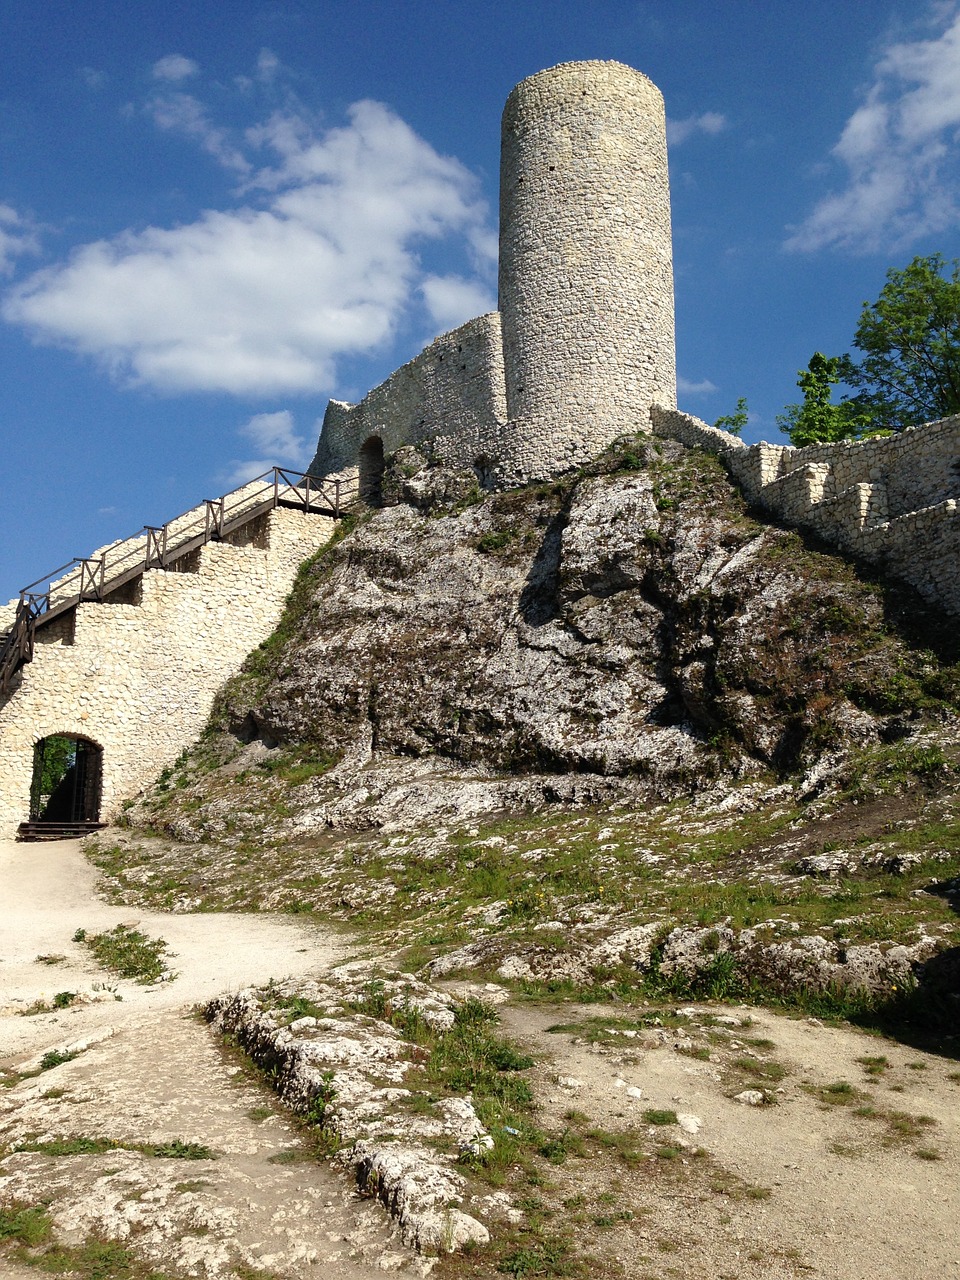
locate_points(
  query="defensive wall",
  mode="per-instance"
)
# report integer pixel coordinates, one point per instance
(583, 341)
(136, 675)
(890, 500)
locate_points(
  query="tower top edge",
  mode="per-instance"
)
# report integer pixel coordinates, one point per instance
(598, 70)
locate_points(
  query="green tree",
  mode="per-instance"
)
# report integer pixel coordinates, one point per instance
(818, 419)
(734, 422)
(910, 340)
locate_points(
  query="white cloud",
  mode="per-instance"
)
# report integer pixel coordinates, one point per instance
(274, 434)
(452, 300)
(17, 236)
(92, 78)
(321, 261)
(710, 122)
(174, 67)
(686, 388)
(183, 113)
(267, 64)
(899, 149)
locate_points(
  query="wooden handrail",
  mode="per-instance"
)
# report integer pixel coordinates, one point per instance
(161, 545)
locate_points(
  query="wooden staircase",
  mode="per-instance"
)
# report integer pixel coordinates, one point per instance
(95, 578)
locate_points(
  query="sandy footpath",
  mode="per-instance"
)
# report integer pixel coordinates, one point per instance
(152, 1072)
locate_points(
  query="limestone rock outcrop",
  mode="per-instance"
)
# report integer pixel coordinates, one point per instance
(630, 630)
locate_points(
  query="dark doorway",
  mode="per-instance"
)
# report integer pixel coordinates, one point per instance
(371, 472)
(67, 776)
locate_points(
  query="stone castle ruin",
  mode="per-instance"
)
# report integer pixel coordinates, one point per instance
(583, 342)
(581, 352)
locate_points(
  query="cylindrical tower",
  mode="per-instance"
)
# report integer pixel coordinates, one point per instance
(586, 274)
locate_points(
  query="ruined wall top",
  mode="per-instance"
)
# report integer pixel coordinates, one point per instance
(586, 316)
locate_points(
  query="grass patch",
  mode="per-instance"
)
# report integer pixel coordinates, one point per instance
(28, 1225)
(82, 1145)
(653, 1116)
(129, 953)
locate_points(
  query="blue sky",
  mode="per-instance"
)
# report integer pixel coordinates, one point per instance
(215, 217)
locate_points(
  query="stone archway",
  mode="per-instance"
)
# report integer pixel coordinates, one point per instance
(67, 780)
(371, 471)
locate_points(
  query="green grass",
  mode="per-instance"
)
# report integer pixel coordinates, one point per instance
(27, 1224)
(653, 1116)
(129, 953)
(83, 1145)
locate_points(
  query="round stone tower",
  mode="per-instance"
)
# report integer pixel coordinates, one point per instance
(586, 274)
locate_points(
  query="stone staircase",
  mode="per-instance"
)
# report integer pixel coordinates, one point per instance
(892, 501)
(134, 668)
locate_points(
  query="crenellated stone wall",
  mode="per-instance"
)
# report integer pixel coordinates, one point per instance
(893, 501)
(138, 673)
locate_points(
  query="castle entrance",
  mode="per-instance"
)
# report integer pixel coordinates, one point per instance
(371, 471)
(66, 785)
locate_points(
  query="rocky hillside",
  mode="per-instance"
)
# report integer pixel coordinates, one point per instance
(631, 631)
(611, 730)
(591, 751)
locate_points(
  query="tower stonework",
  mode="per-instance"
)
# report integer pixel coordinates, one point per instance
(586, 270)
(583, 342)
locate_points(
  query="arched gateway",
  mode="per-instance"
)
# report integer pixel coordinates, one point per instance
(67, 780)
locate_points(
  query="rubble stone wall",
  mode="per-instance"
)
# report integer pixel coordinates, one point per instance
(139, 679)
(583, 342)
(452, 395)
(893, 500)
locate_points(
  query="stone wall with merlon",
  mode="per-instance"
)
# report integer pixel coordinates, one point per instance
(139, 679)
(452, 395)
(917, 466)
(892, 501)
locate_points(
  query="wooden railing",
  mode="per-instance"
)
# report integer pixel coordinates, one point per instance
(158, 547)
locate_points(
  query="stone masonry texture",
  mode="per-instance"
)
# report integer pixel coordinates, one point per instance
(891, 501)
(583, 342)
(139, 679)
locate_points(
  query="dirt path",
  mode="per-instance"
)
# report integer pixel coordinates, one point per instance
(149, 1072)
(849, 1183)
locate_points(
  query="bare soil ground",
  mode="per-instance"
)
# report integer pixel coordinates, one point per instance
(849, 1169)
(153, 1074)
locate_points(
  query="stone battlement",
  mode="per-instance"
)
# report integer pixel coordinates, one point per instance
(890, 500)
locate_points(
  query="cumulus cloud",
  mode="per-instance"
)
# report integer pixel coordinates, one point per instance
(174, 67)
(320, 260)
(450, 300)
(274, 435)
(687, 388)
(17, 236)
(899, 150)
(710, 123)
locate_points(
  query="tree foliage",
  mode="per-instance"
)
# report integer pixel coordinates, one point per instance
(818, 418)
(910, 340)
(910, 367)
(736, 421)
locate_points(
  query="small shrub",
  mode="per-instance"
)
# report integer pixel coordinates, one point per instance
(653, 1116)
(54, 1058)
(129, 953)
